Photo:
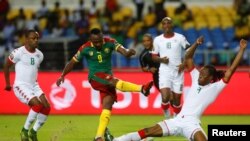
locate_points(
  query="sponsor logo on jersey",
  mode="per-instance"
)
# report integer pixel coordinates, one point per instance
(106, 50)
(91, 53)
(11, 56)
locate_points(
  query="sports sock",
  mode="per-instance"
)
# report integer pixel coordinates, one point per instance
(127, 86)
(103, 122)
(32, 115)
(142, 134)
(165, 106)
(177, 109)
(41, 118)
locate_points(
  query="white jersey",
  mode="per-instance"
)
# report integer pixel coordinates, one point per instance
(170, 47)
(199, 97)
(26, 65)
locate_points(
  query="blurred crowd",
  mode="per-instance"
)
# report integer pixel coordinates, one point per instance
(115, 20)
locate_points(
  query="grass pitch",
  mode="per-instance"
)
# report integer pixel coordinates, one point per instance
(83, 127)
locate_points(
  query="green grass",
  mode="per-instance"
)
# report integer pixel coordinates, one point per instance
(83, 127)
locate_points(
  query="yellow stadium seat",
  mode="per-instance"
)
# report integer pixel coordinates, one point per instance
(117, 16)
(226, 22)
(149, 19)
(213, 24)
(12, 14)
(170, 11)
(42, 23)
(201, 24)
(28, 13)
(126, 12)
(196, 11)
(189, 24)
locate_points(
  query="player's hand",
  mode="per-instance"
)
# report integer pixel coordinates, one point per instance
(7, 88)
(153, 69)
(59, 81)
(243, 43)
(181, 67)
(200, 40)
(130, 52)
(164, 60)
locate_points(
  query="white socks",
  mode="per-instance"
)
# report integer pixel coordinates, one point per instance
(30, 119)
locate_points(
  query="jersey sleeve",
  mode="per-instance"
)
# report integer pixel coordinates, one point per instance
(41, 58)
(194, 74)
(155, 50)
(142, 59)
(220, 85)
(184, 43)
(116, 44)
(14, 56)
(79, 54)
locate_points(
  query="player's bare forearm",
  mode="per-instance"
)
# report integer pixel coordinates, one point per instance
(7, 75)
(188, 59)
(237, 59)
(158, 59)
(68, 67)
(126, 52)
(191, 50)
(66, 70)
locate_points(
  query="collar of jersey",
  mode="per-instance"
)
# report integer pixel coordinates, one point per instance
(94, 46)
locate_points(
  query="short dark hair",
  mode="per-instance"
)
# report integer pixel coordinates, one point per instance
(95, 31)
(27, 32)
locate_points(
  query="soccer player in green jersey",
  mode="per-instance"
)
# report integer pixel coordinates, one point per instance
(98, 51)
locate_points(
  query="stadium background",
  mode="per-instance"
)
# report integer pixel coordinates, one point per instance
(64, 27)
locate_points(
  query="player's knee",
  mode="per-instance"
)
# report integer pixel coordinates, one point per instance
(45, 110)
(113, 81)
(37, 108)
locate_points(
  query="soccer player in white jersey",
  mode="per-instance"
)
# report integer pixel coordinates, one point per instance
(27, 60)
(206, 85)
(169, 46)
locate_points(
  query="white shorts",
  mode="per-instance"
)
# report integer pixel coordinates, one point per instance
(25, 92)
(180, 127)
(171, 79)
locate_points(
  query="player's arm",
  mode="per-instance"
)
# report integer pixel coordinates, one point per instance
(125, 52)
(143, 64)
(232, 68)
(69, 66)
(6, 70)
(188, 60)
(158, 59)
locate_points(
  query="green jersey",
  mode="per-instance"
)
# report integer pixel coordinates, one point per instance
(98, 60)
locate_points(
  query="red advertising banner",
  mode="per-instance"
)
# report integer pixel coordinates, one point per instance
(75, 95)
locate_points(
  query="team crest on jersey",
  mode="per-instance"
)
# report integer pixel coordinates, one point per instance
(11, 56)
(38, 56)
(168, 45)
(106, 50)
(91, 53)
